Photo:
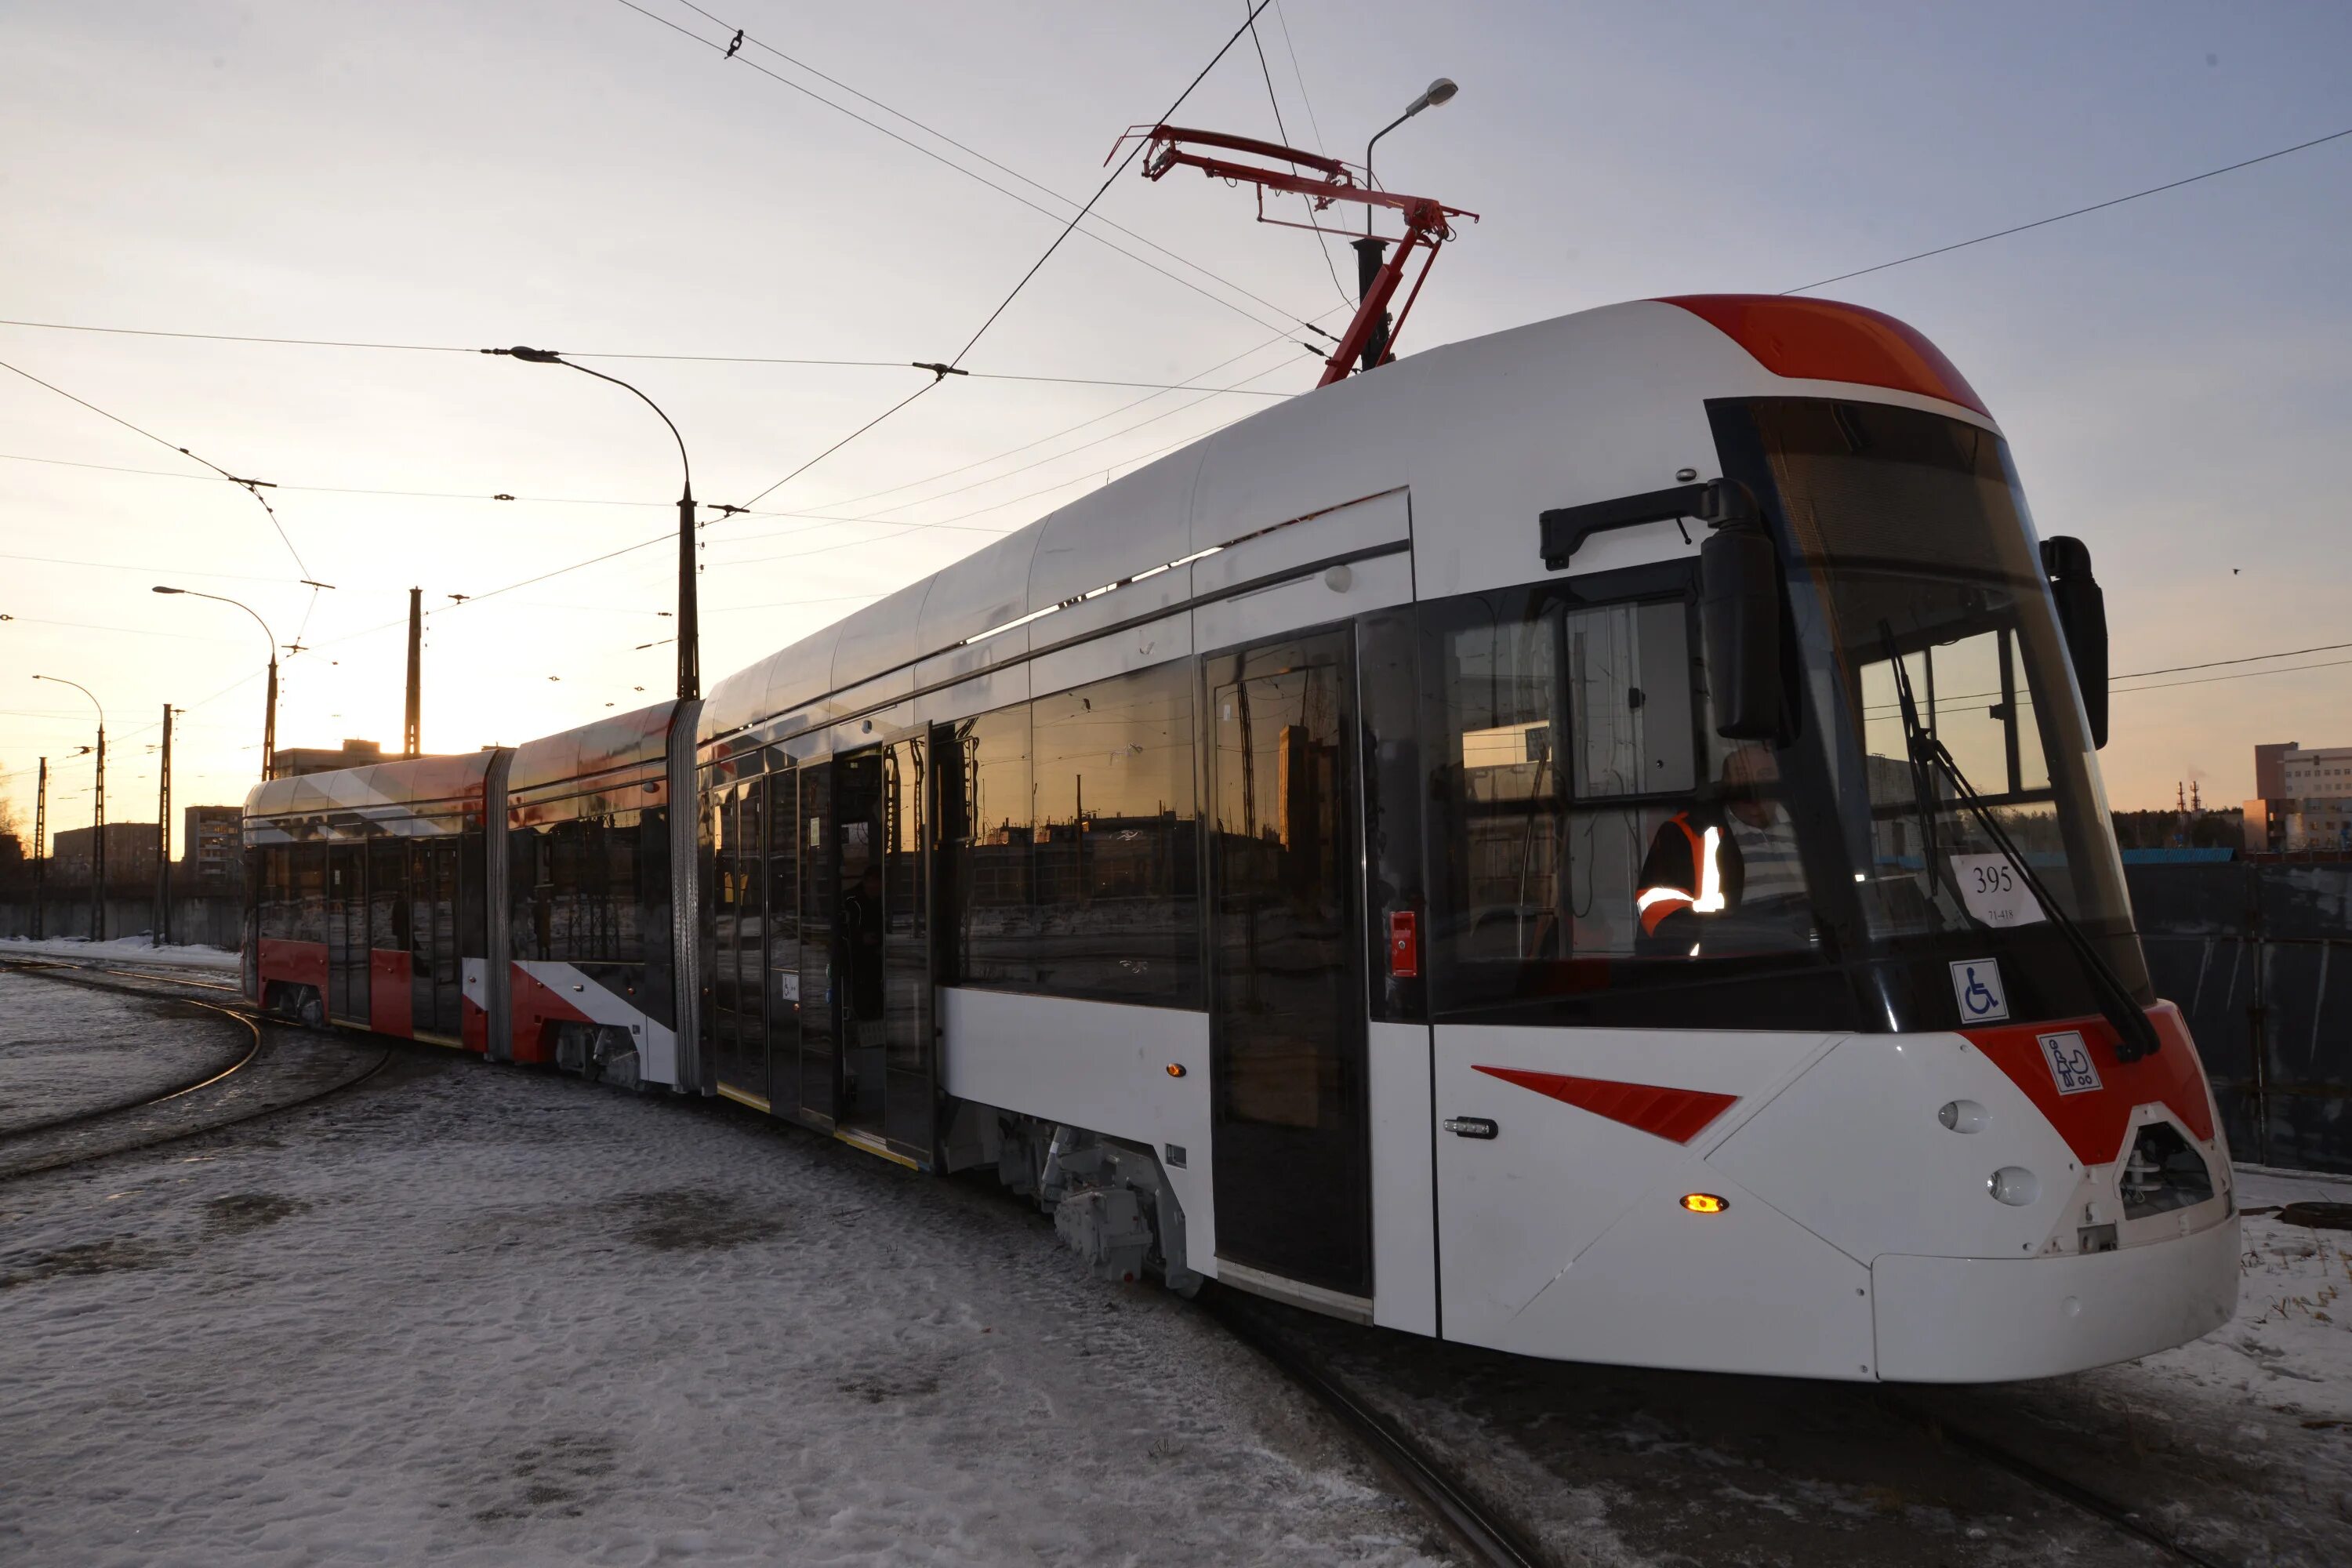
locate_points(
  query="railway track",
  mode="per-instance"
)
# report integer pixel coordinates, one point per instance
(1489, 1534)
(283, 1069)
(1483, 1533)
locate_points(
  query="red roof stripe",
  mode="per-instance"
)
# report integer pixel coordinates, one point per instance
(1822, 339)
(1677, 1114)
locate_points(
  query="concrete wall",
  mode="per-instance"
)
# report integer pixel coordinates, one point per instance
(210, 921)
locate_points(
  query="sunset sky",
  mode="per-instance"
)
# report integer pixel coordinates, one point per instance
(2175, 375)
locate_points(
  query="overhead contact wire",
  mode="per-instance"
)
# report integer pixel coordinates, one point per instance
(251, 487)
(1132, 154)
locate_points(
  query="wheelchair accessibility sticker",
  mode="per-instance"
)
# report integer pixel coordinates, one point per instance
(1976, 982)
(2069, 1062)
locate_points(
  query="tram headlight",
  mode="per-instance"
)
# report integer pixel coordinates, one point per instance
(2014, 1185)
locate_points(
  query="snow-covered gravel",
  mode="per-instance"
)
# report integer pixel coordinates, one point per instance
(67, 1049)
(478, 1315)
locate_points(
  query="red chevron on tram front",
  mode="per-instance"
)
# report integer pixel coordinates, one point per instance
(1677, 1114)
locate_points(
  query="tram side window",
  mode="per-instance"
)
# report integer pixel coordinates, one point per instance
(782, 925)
(310, 878)
(994, 846)
(1117, 845)
(578, 889)
(277, 893)
(388, 895)
(1585, 796)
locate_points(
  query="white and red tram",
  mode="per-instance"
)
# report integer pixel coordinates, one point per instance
(1261, 858)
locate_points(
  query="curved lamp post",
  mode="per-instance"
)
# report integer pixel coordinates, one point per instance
(269, 707)
(1369, 250)
(689, 635)
(97, 814)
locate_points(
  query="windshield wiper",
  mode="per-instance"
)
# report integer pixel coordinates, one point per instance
(2134, 1036)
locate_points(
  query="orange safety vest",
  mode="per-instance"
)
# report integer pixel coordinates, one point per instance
(1691, 868)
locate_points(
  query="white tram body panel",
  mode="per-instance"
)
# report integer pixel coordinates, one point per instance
(1558, 1143)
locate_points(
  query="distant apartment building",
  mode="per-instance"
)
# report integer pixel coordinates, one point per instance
(2305, 800)
(130, 856)
(210, 846)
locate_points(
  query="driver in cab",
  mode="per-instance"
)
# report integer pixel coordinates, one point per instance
(1726, 867)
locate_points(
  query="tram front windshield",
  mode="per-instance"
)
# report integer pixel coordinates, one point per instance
(1584, 797)
(1910, 547)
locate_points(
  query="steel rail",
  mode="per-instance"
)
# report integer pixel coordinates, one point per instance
(1487, 1538)
(383, 1059)
(2042, 1478)
(98, 1113)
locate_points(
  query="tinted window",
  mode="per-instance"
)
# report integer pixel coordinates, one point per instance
(1596, 835)
(1115, 840)
(994, 847)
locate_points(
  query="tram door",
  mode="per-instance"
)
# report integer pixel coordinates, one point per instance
(860, 938)
(881, 947)
(820, 1062)
(347, 934)
(780, 983)
(911, 1055)
(1287, 1087)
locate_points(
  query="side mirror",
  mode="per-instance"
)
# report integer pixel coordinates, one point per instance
(1739, 620)
(2083, 616)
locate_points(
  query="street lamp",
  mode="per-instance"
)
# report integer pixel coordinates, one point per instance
(1369, 250)
(689, 635)
(269, 706)
(97, 815)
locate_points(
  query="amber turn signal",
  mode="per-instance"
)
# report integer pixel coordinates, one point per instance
(1704, 1202)
(1175, 1069)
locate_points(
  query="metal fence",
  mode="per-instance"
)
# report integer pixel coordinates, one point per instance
(2259, 957)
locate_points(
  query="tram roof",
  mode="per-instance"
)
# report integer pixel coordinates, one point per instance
(1476, 428)
(410, 782)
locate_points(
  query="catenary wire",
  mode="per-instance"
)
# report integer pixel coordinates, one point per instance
(950, 164)
(1282, 134)
(591, 353)
(1068, 229)
(1002, 168)
(2249, 658)
(251, 487)
(878, 514)
(846, 440)
(1104, 188)
(2078, 212)
(2240, 675)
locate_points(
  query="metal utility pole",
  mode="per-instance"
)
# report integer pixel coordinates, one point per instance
(40, 842)
(411, 743)
(97, 845)
(689, 628)
(269, 708)
(162, 922)
(98, 828)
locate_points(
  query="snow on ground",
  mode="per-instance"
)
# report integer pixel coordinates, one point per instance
(125, 948)
(481, 1315)
(2292, 1339)
(66, 1049)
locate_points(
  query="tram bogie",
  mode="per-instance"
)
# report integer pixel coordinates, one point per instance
(1585, 842)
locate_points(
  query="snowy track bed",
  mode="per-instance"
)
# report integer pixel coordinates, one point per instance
(480, 1315)
(2234, 1450)
(68, 1051)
